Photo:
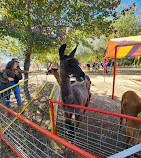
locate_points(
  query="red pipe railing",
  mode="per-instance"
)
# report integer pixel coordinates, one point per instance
(97, 110)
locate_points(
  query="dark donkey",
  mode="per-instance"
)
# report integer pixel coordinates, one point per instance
(77, 93)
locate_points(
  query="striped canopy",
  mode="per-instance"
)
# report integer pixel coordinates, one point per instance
(126, 47)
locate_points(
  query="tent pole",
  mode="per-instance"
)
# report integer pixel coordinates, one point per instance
(114, 72)
(106, 67)
(103, 70)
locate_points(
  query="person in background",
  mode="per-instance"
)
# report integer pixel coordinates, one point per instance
(101, 65)
(105, 67)
(7, 80)
(111, 66)
(88, 66)
(93, 66)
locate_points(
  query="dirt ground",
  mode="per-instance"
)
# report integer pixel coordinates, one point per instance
(101, 90)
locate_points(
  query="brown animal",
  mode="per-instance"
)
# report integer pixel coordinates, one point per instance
(56, 74)
(131, 106)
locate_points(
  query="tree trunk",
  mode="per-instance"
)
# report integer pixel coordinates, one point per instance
(26, 67)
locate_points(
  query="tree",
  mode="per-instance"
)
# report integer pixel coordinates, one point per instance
(12, 47)
(40, 25)
(126, 21)
(94, 50)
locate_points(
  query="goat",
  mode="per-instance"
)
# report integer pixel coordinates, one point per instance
(131, 106)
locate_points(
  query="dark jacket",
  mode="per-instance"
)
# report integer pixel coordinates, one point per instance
(18, 77)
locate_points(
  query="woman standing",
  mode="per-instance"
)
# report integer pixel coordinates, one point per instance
(8, 80)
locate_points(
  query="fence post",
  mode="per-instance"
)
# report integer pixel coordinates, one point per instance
(52, 117)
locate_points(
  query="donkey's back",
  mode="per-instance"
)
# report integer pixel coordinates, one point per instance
(81, 92)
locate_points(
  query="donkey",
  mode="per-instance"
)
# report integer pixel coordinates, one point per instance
(76, 93)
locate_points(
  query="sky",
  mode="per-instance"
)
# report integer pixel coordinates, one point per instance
(6, 59)
(128, 1)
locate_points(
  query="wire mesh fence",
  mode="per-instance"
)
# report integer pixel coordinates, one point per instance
(19, 95)
(98, 132)
(24, 139)
(30, 140)
(125, 70)
(34, 98)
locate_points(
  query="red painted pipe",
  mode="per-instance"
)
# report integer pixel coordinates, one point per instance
(52, 115)
(114, 72)
(99, 111)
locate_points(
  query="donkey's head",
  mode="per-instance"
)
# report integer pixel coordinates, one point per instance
(69, 65)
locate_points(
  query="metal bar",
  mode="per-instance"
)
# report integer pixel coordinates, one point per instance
(50, 110)
(127, 152)
(99, 111)
(114, 72)
(52, 117)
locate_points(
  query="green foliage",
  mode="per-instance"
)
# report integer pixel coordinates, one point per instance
(12, 47)
(94, 49)
(139, 115)
(41, 23)
(41, 26)
(50, 56)
(126, 21)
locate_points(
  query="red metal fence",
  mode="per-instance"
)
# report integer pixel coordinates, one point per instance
(99, 133)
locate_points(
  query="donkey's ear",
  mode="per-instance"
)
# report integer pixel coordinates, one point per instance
(61, 50)
(73, 52)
